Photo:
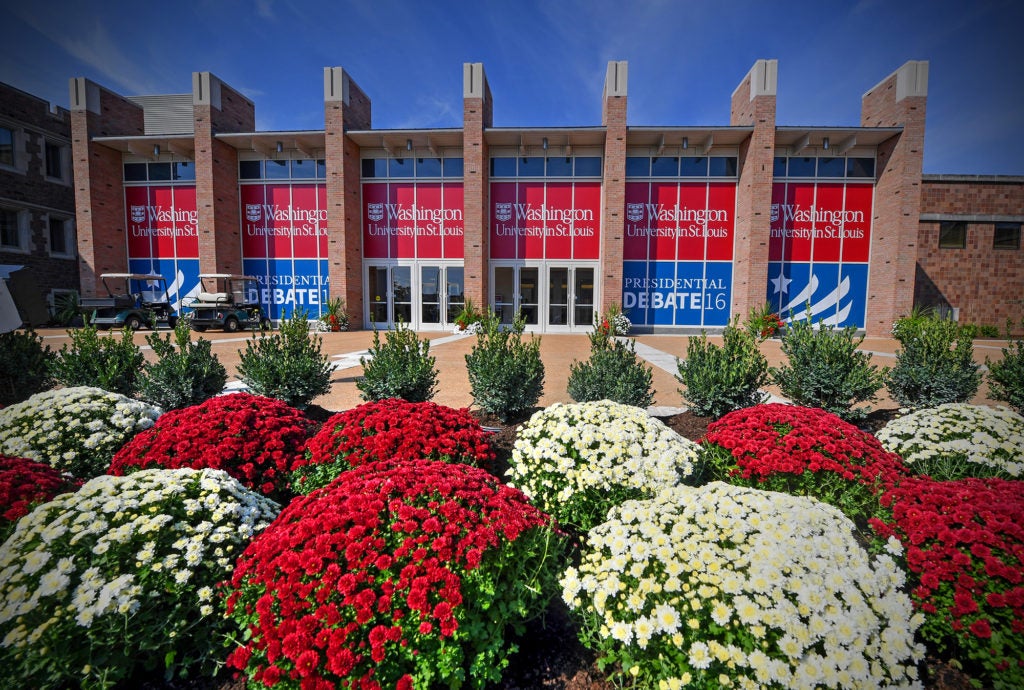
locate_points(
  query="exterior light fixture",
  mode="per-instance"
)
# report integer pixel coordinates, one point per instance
(686, 143)
(824, 143)
(280, 147)
(408, 144)
(156, 150)
(544, 143)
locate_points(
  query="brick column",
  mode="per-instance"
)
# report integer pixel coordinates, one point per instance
(216, 108)
(613, 188)
(98, 178)
(897, 101)
(346, 107)
(753, 103)
(477, 116)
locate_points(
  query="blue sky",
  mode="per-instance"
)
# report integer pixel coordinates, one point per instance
(545, 60)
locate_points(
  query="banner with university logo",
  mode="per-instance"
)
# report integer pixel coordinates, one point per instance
(284, 245)
(545, 220)
(163, 236)
(413, 220)
(818, 251)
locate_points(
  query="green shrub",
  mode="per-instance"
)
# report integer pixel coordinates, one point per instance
(826, 370)
(66, 308)
(24, 366)
(988, 331)
(506, 375)
(400, 368)
(613, 372)
(722, 379)
(288, 365)
(936, 364)
(113, 364)
(1006, 377)
(187, 373)
(764, 322)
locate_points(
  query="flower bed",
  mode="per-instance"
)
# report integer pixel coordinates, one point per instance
(394, 575)
(802, 451)
(957, 440)
(577, 461)
(256, 440)
(75, 430)
(119, 576)
(965, 547)
(24, 484)
(724, 586)
(392, 430)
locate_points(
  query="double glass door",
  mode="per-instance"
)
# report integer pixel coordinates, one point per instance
(423, 296)
(552, 297)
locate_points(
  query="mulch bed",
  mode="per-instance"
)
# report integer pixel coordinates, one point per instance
(550, 654)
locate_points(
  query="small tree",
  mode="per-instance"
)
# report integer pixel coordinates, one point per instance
(827, 370)
(186, 373)
(400, 368)
(1006, 377)
(24, 366)
(506, 375)
(288, 365)
(936, 364)
(722, 379)
(613, 372)
(113, 364)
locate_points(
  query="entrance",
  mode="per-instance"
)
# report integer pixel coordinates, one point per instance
(442, 295)
(554, 297)
(389, 295)
(427, 296)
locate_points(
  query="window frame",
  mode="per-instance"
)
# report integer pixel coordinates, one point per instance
(946, 225)
(996, 227)
(22, 230)
(67, 227)
(63, 159)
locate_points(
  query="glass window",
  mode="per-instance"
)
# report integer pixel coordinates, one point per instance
(400, 167)
(722, 166)
(952, 235)
(588, 166)
(531, 166)
(428, 167)
(780, 166)
(303, 169)
(693, 167)
(10, 233)
(248, 170)
(275, 170)
(321, 169)
(375, 167)
(638, 166)
(503, 167)
(801, 167)
(54, 160)
(58, 236)
(860, 167)
(1007, 236)
(665, 167)
(830, 167)
(6, 146)
(159, 171)
(134, 172)
(184, 170)
(452, 167)
(559, 167)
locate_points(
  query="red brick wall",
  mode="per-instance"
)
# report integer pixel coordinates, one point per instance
(613, 117)
(985, 284)
(476, 115)
(753, 198)
(99, 189)
(897, 204)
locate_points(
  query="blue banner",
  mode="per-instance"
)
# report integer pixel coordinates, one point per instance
(182, 276)
(288, 284)
(677, 293)
(836, 293)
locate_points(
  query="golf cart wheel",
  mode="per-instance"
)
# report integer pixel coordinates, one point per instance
(172, 321)
(133, 322)
(266, 325)
(231, 324)
(199, 329)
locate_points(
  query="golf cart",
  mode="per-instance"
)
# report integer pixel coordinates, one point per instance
(133, 300)
(227, 301)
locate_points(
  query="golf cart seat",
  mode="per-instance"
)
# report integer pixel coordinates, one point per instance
(213, 297)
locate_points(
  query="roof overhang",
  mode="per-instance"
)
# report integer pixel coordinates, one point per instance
(308, 143)
(697, 141)
(152, 146)
(408, 142)
(841, 139)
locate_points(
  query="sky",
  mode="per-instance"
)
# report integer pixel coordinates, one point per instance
(545, 60)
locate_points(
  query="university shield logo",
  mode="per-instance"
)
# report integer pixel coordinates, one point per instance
(634, 212)
(138, 214)
(252, 212)
(503, 211)
(375, 212)
(775, 213)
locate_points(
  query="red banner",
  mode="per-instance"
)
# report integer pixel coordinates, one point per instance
(679, 221)
(161, 222)
(857, 222)
(828, 222)
(453, 223)
(409, 220)
(586, 243)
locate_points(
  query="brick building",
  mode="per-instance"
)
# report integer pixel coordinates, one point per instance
(37, 202)
(683, 226)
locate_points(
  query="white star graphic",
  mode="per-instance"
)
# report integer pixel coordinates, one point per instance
(781, 283)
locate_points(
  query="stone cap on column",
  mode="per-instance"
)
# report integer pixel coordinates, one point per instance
(911, 80)
(764, 79)
(474, 81)
(616, 79)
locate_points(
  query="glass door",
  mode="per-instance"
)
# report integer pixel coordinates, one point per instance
(389, 295)
(516, 289)
(570, 297)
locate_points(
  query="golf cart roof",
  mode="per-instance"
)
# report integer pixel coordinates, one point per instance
(132, 276)
(227, 276)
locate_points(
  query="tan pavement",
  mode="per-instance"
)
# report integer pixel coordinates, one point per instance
(558, 351)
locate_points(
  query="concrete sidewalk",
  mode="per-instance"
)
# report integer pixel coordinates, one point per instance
(558, 352)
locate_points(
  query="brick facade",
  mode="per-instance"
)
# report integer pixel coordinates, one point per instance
(478, 113)
(613, 117)
(27, 190)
